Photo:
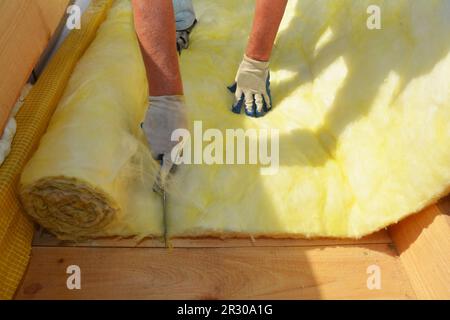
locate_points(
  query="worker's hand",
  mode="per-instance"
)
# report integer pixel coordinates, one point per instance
(252, 88)
(164, 115)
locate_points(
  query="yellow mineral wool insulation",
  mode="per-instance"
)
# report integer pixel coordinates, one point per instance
(92, 174)
(363, 118)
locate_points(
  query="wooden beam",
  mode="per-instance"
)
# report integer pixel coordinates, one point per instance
(215, 273)
(44, 239)
(423, 243)
(26, 29)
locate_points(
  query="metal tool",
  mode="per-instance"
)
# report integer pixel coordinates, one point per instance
(167, 167)
(159, 188)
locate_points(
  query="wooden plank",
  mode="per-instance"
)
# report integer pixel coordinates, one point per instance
(215, 273)
(44, 239)
(26, 28)
(423, 242)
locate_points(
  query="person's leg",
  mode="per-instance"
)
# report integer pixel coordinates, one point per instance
(155, 29)
(184, 14)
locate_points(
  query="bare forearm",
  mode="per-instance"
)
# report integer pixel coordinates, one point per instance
(155, 28)
(268, 15)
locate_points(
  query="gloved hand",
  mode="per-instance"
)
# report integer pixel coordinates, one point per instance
(164, 115)
(252, 87)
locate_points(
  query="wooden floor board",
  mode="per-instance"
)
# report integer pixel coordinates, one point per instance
(215, 273)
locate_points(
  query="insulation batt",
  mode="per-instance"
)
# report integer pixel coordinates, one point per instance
(363, 117)
(92, 174)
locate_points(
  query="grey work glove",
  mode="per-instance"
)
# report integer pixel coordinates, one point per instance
(164, 115)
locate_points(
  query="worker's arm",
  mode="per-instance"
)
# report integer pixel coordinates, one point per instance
(155, 28)
(268, 15)
(252, 79)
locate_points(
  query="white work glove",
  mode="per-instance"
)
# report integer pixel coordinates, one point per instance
(164, 115)
(252, 87)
